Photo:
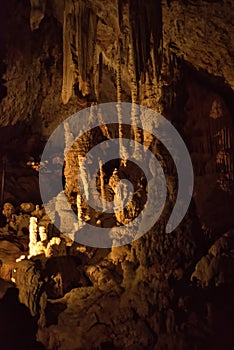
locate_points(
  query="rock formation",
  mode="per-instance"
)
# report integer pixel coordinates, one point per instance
(162, 291)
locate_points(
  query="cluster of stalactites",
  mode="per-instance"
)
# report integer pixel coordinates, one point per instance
(79, 58)
(83, 57)
(146, 33)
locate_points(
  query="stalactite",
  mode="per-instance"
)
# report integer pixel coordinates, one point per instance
(102, 185)
(122, 151)
(79, 49)
(108, 62)
(103, 126)
(137, 132)
(145, 52)
(133, 69)
(83, 176)
(68, 65)
(79, 207)
(145, 27)
(118, 76)
(133, 60)
(134, 87)
(37, 13)
(85, 43)
(69, 138)
(97, 72)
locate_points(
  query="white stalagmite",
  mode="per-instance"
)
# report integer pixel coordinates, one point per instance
(79, 206)
(42, 233)
(32, 236)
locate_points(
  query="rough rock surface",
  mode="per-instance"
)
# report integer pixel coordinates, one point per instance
(9, 252)
(176, 57)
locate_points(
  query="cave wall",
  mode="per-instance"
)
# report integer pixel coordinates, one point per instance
(175, 57)
(57, 58)
(58, 53)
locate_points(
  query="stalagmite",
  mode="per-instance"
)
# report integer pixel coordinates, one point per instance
(42, 233)
(32, 236)
(114, 179)
(55, 247)
(121, 193)
(120, 197)
(79, 208)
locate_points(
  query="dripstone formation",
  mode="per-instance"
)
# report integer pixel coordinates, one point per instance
(164, 290)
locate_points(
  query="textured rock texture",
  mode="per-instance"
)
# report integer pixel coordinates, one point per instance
(201, 32)
(9, 252)
(164, 291)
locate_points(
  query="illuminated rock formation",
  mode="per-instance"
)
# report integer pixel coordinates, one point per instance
(32, 236)
(175, 57)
